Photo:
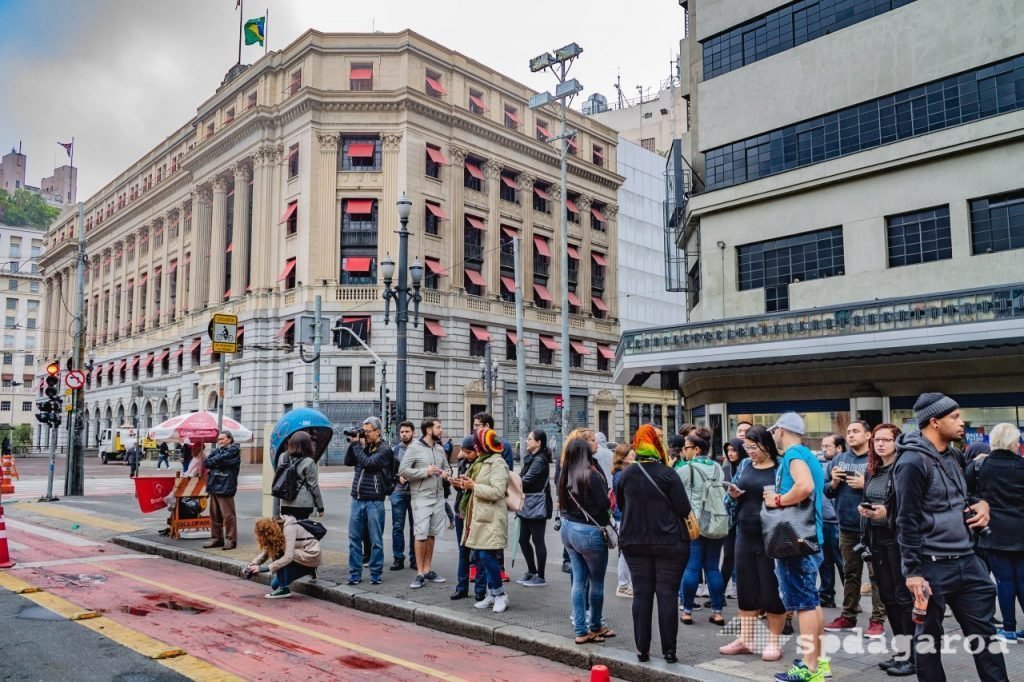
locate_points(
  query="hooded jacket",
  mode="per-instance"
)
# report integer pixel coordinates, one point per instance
(222, 467)
(535, 473)
(309, 496)
(845, 498)
(603, 456)
(999, 480)
(930, 498)
(299, 547)
(374, 476)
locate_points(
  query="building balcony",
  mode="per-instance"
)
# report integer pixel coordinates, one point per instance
(989, 316)
(541, 267)
(508, 260)
(473, 253)
(354, 238)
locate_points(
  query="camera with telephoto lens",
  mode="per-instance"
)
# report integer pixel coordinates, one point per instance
(977, 532)
(353, 433)
(863, 551)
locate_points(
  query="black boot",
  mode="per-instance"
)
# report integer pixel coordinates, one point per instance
(902, 669)
(398, 565)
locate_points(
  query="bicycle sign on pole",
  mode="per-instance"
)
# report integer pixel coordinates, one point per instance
(223, 331)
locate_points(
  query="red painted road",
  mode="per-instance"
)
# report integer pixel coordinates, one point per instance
(227, 622)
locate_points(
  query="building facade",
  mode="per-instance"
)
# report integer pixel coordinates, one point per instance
(61, 187)
(24, 324)
(651, 121)
(284, 187)
(12, 171)
(852, 242)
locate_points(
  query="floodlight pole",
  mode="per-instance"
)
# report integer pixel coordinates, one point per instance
(564, 244)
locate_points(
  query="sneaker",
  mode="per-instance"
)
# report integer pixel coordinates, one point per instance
(485, 603)
(375, 580)
(398, 565)
(885, 665)
(354, 580)
(624, 591)
(1010, 637)
(525, 579)
(876, 630)
(535, 581)
(504, 577)
(1020, 634)
(800, 673)
(279, 593)
(702, 590)
(730, 590)
(433, 577)
(948, 613)
(825, 668)
(865, 588)
(312, 576)
(735, 648)
(841, 623)
(417, 582)
(500, 603)
(902, 669)
(472, 573)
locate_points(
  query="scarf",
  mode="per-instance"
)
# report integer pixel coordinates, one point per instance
(648, 446)
(474, 470)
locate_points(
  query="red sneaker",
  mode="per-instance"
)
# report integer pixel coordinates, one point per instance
(504, 577)
(876, 630)
(841, 623)
(472, 573)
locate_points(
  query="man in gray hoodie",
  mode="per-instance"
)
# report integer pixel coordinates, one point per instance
(424, 465)
(934, 522)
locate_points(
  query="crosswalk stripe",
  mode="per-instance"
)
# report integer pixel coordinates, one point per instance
(50, 534)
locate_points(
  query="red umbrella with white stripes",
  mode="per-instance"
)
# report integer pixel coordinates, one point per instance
(198, 427)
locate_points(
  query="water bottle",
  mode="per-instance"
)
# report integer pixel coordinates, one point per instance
(921, 603)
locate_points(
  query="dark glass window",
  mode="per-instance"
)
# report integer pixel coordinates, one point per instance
(785, 28)
(919, 236)
(997, 222)
(970, 96)
(355, 153)
(777, 263)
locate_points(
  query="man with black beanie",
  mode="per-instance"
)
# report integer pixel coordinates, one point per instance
(934, 522)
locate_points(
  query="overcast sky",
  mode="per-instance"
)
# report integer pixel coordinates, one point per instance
(121, 75)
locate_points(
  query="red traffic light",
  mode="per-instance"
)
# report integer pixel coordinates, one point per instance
(53, 369)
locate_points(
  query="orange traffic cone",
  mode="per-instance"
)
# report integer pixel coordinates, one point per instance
(6, 486)
(14, 467)
(5, 555)
(599, 673)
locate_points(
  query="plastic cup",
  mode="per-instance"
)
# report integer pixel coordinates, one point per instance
(770, 489)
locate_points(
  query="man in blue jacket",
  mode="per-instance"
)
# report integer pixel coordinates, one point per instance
(222, 483)
(374, 462)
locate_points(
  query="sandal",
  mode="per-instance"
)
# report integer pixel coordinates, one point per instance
(606, 631)
(589, 637)
(717, 619)
(686, 619)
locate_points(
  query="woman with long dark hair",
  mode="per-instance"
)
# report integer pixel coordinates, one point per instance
(301, 452)
(535, 514)
(757, 588)
(699, 473)
(583, 499)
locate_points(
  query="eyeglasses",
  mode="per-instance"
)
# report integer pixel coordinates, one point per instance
(884, 440)
(751, 448)
(690, 447)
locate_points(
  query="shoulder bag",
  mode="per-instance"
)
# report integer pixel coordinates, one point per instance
(692, 527)
(790, 531)
(611, 536)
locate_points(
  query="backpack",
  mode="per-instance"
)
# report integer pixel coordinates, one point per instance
(712, 516)
(514, 496)
(286, 481)
(314, 528)
(891, 504)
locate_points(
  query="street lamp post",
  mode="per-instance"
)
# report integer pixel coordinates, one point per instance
(559, 63)
(402, 296)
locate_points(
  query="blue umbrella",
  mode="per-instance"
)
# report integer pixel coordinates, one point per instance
(301, 419)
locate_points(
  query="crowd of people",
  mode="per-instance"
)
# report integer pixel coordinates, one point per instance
(929, 525)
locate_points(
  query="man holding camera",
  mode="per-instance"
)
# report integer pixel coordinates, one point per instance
(935, 522)
(846, 488)
(374, 462)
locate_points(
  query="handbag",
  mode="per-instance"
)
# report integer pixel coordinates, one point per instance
(692, 527)
(790, 531)
(610, 535)
(535, 507)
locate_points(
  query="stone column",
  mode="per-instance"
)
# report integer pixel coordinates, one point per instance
(149, 322)
(492, 240)
(583, 278)
(611, 278)
(96, 318)
(240, 238)
(165, 284)
(108, 327)
(555, 267)
(114, 326)
(264, 216)
(183, 304)
(457, 214)
(324, 227)
(48, 297)
(138, 323)
(387, 212)
(526, 181)
(218, 241)
(202, 225)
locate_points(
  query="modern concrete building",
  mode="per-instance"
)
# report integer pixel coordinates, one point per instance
(852, 236)
(651, 121)
(62, 186)
(12, 171)
(22, 284)
(284, 187)
(60, 189)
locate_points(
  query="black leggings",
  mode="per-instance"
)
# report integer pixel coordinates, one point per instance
(532, 531)
(728, 555)
(892, 588)
(656, 570)
(757, 587)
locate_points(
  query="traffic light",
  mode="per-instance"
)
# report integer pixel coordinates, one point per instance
(49, 408)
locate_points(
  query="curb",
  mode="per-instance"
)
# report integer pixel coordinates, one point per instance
(621, 664)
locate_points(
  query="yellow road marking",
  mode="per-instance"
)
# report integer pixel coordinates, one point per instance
(426, 670)
(76, 516)
(165, 654)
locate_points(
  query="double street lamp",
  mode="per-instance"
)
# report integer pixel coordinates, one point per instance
(402, 296)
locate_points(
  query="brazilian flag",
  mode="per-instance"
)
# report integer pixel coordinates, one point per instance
(255, 30)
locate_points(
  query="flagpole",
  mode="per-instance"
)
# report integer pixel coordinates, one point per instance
(266, 32)
(72, 152)
(241, 13)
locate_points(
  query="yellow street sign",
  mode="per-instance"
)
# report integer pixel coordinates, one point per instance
(223, 332)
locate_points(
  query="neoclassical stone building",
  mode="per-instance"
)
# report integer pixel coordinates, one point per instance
(284, 187)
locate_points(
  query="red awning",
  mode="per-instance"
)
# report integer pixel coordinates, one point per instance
(148, 361)
(509, 283)
(96, 372)
(596, 212)
(437, 211)
(510, 231)
(110, 367)
(188, 258)
(550, 343)
(240, 334)
(571, 205)
(579, 347)
(480, 333)
(163, 354)
(511, 115)
(360, 73)
(606, 352)
(574, 300)
(144, 279)
(541, 193)
(361, 150)
(289, 212)
(599, 303)
(573, 253)
(598, 153)
(435, 267)
(172, 267)
(227, 294)
(231, 247)
(511, 336)
(289, 267)
(121, 365)
(476, 222)
(434, 328)
(475, 277)
(573, 143)
(437, 156)
(177, 353)
(543, 131)
(509, 182)
(474, 170)
(478, 102)
(195, 344)
(285, 328)
(208, 351)
(357, 264)
(359, 206)
(542, 291)
(599, 258)
(435, 86)
(542, 246)
(134, 361)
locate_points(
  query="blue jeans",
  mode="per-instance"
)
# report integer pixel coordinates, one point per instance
(704, 555)
(833, 560)
(798, 581)
(400, 510)
(488, 573)
(467, 558)
(588, 555)
(289, 574)
(162, 459)
(366, 515)
(1008, 568)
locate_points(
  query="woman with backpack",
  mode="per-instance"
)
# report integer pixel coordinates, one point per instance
(537, 509)
(303, 479)
(293, 552)
(703, 480)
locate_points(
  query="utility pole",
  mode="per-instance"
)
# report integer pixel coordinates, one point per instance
(520, 350)
(402, 297)
(489, 378)
(74, 479)
(316, 351)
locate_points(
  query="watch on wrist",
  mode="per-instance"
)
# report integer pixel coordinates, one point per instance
(778, 500)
